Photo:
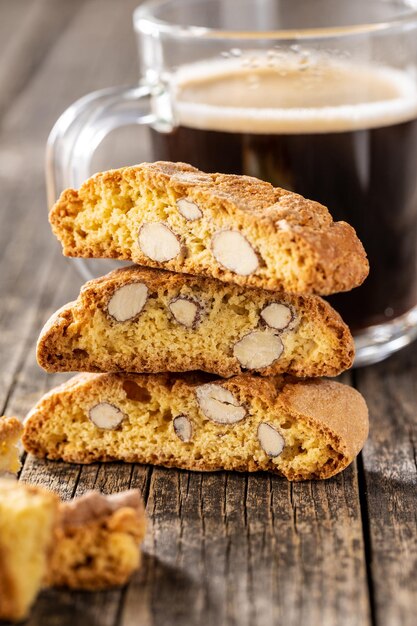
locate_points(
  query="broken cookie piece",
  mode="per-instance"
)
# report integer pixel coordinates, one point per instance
(301, 430)
(145, 320)
(28, 516)
(175, 217)
(97, 541)
(10, 432)
(90, 543)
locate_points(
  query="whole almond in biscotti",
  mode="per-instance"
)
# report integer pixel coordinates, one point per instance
(146, 320)
(106, 416)
(234, 228)
(300, 429)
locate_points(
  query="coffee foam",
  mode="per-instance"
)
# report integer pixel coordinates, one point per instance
(391, 97)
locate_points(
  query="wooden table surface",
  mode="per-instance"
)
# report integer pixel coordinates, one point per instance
(221, 548)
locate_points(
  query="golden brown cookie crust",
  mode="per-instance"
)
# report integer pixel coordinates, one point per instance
(299, 247)
(42, 505)
(331, 416)
(82, 336)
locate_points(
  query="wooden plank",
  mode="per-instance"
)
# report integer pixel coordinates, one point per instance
(224, 548)
(390, 486)
(11, 19)
(29, 31)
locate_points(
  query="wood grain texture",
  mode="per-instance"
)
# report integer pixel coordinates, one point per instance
(222, 548)
(226, 548)
(26, 37)
(390, 486)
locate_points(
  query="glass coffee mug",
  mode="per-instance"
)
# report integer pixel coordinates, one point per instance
(319, 97)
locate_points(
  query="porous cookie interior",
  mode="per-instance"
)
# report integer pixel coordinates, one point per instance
(61, 428)
(97, 540)
(10, 432)
(114, 214)
(26, 522)
(96, 555)
(313, 342)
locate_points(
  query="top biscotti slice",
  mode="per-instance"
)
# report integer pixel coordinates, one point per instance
(235, 228)
(138, 319)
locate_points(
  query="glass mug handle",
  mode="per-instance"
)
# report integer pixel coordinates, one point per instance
(83, 126)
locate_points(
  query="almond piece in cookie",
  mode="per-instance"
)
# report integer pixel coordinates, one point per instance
(301, 430)
(158, 242)
(128, 301)
(219, 404)
(271, 441)
(182, 427)
(279, 316)
(175, 217)
(106, 416)
(189, 209)
(232, 250)
(258, 349)
(186, 311)
(171, 322)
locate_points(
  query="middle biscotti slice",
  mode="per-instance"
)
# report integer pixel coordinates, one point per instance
(142, 320)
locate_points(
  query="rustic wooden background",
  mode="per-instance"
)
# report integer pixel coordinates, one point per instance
(221, 549)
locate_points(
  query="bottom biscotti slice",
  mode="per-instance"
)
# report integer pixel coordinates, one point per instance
(301, 429)
(28, 516)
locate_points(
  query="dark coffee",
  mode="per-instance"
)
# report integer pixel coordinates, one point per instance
(344, 136)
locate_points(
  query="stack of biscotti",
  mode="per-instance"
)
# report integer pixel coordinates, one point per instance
(206, 354)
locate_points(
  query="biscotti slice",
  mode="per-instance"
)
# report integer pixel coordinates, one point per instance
(235, 228)
(97, 541)
(27, 518)
(302, 430)
(143, 320)
(89, 543)
(10, 432)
